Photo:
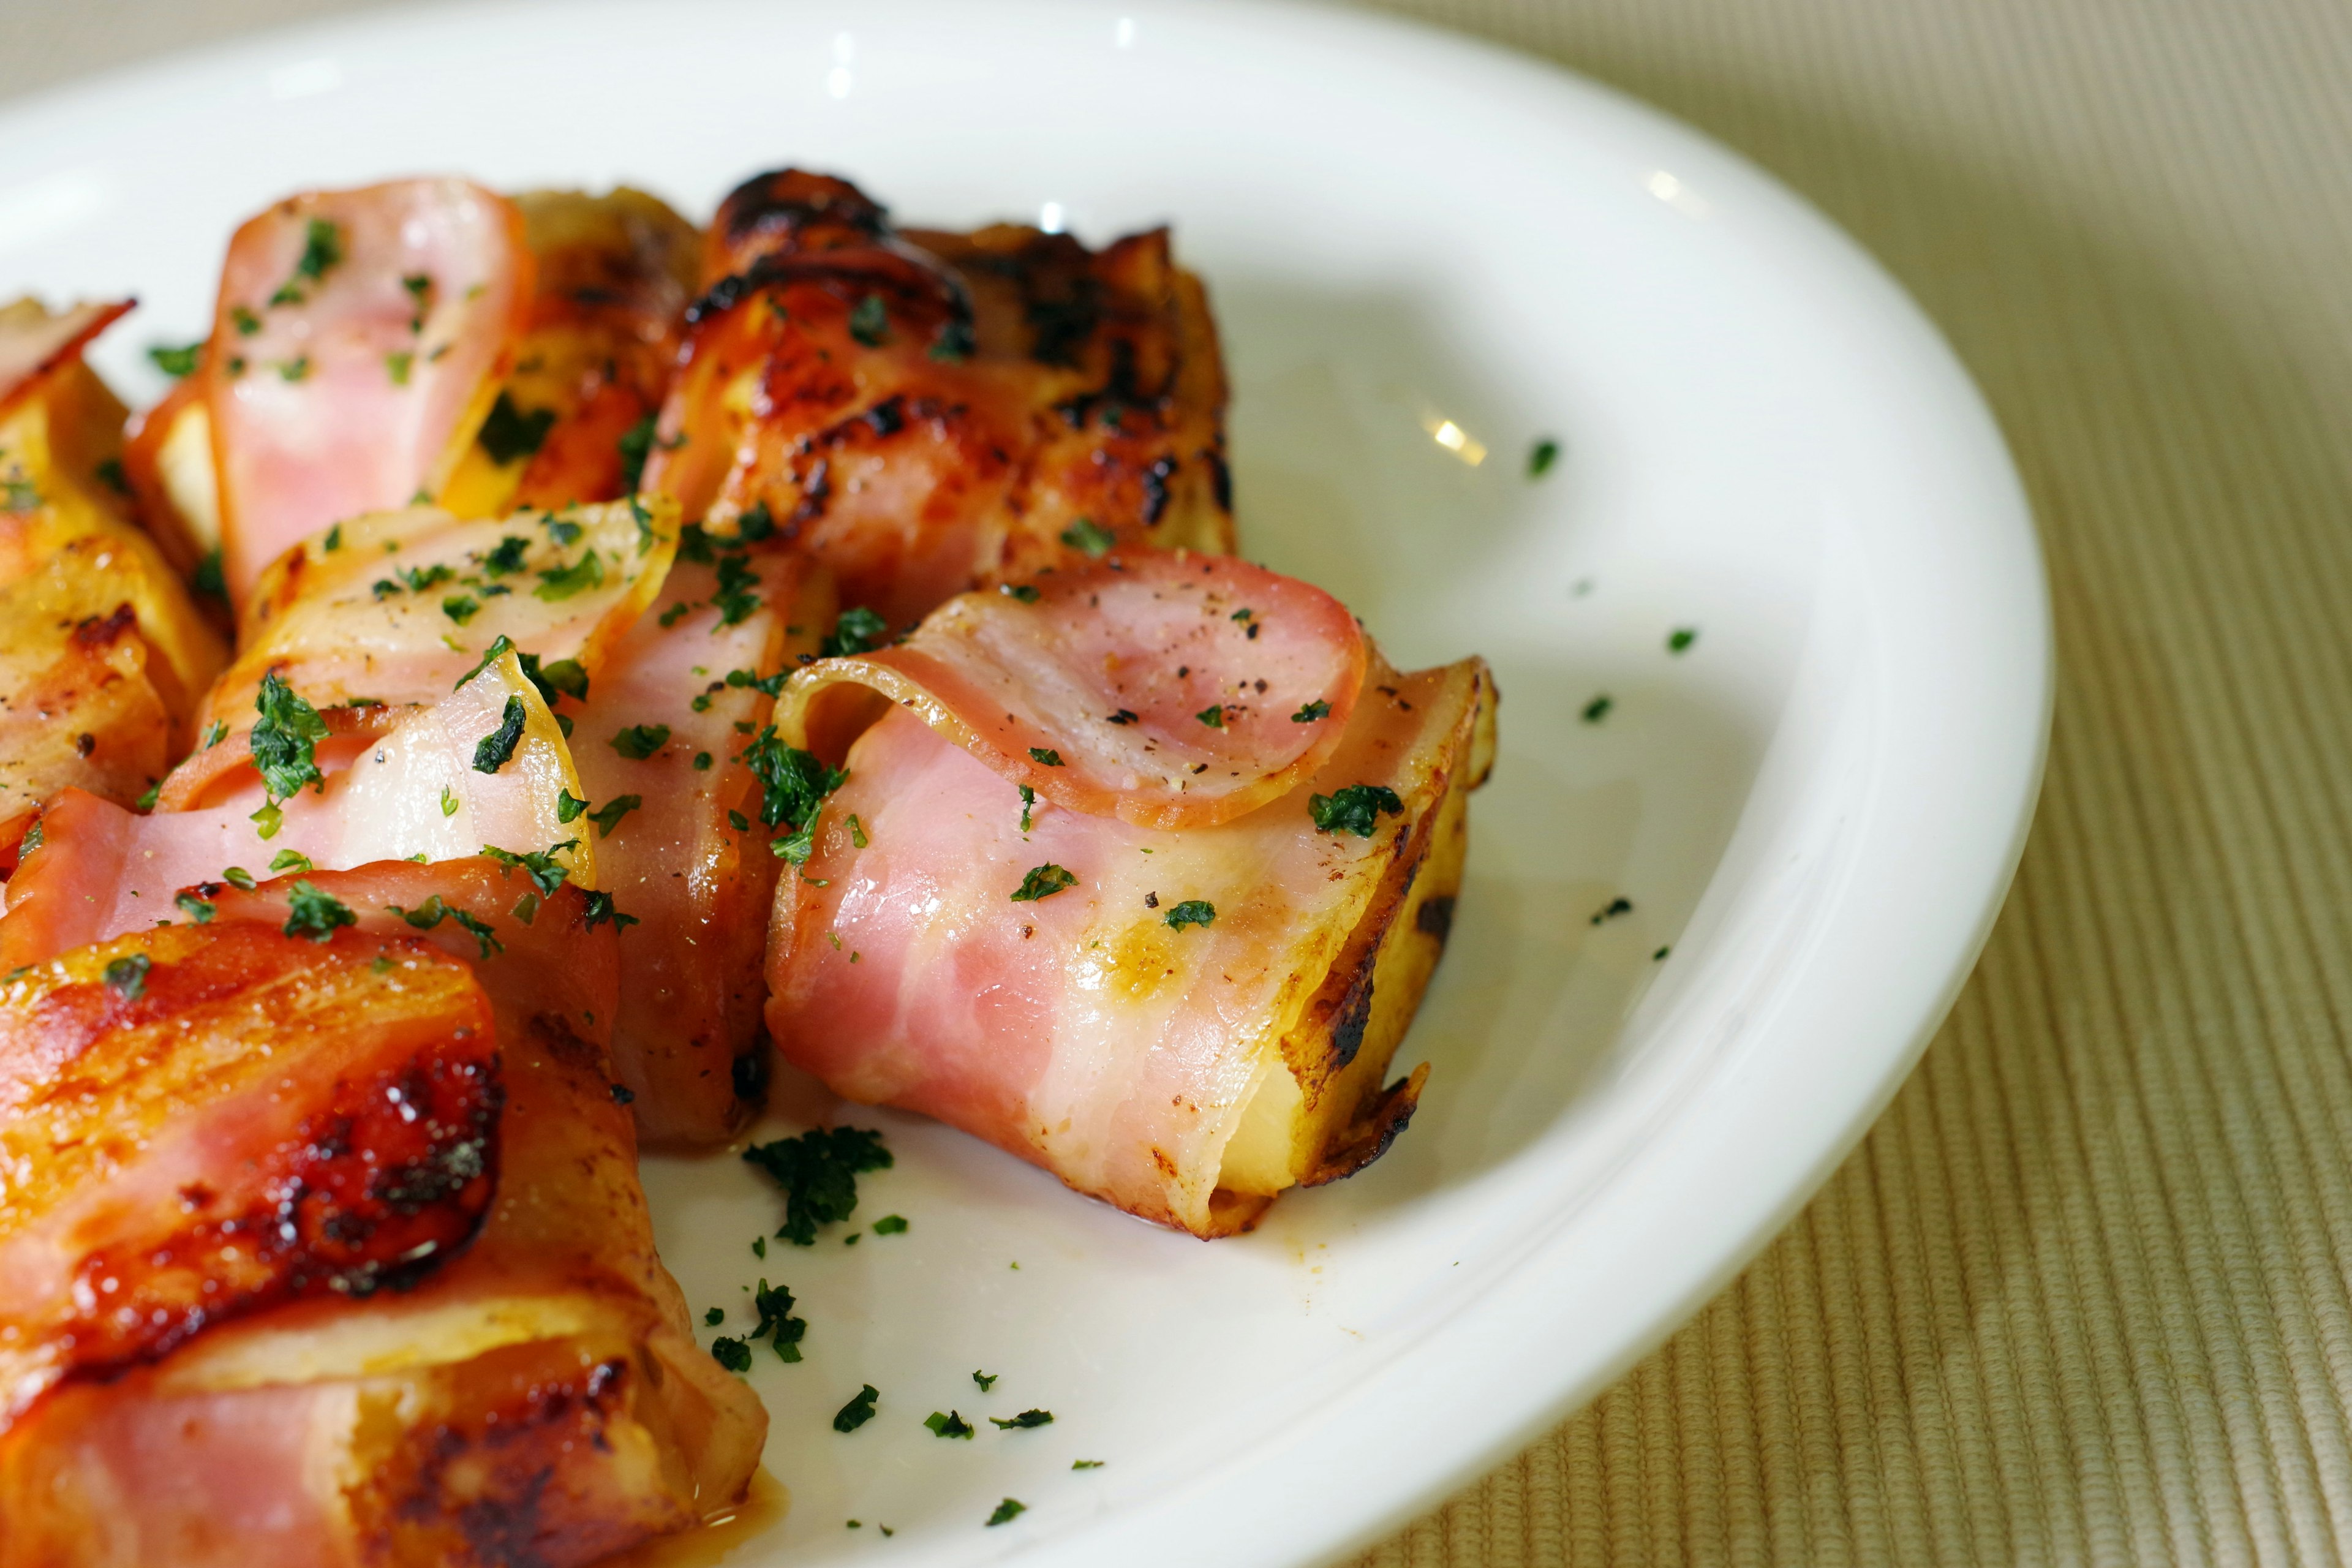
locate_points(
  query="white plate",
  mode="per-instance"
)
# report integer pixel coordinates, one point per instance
(1817, 805)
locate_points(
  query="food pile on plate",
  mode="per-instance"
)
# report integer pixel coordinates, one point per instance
(651, 648)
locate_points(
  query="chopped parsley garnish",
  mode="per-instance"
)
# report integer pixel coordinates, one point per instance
(314, 914)
(1028, 804)
(1046, 756)
(636, 444)
(1660, 956)
(149, 797)
(856, 630)
(987, 1380)
(245, 322)
(1318, 708)
(1680, 639)
(568, 806)
(460, 607)
(1610, 910)
(207, 578)
(714, 1316)
(640, 742)
(566, 675)
(267, 820)
(127, 977)
(857, 831)
(857, 1411)
(564, 530)
(734, 600)
(891, 1225)
(290, 860)
(869, 324)
(1006, 1512)
(818, 1171)
(1043, 882)
(702, 761)
(214, 733)
(950, 1423)
(608, 816)
(1088, 535)
(506, 559)
(559, 583)
(295, 369)
(1021, 591)
(496, 749)
(1541, 457)
(1243, 614)
(777, 1325)
(509, 434)
(499, 648)
(285, 739)
(1086, 1464)
(771, 685)
(397, 365)
(539, 864)
(793, 782)
(732, 1354)
(177, 362)
(674, 613)
(1598, 709)
(1022, 1422)
(953, 343)
(239, 877)
(199, 910)
(598, 908)
(322, 247)
(433, 911)
(1191, 912)
(1354, 809)
(1213, 716)
(449, 803)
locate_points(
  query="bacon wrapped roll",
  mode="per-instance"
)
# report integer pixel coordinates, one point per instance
(1140, 875)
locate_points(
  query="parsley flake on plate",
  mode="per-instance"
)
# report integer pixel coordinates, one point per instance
(1006, 1512)
(1044, 882)
(857, 1411)
(1022, 1422)
(818, 1171)
(950, 1423)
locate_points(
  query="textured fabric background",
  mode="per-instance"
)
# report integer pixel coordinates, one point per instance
(2083, 1295)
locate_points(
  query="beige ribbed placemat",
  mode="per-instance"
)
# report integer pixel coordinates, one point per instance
(2083, 1295)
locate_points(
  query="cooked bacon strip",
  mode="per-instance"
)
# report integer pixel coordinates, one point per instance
(1175, 689)
(416, 789)
(201, 1125)
(687, 1039)
(404, 603)
(1185, 1073)
(360, 341)
(538, 1398)
(922, 425)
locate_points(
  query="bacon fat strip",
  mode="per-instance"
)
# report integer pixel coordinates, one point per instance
(538, 1393)
(926, 418)
(1186, 1072)
(358, 343)
(687, 1041)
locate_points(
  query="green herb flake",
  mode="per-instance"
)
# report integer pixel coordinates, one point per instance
(891, 1225)
(207, 578)
(1022, 1422)
(539, 865)
(397, 365)
(1046, 756)
(1598, 709)
(509, 434)
(950, 1423)
(1213, 716)
(314, 914)
(506, 560)
(1007, 1510)
(1028, 804)
(450, 802)
(1541, 457)
(290, 860)
(598, 908)
(196, 908)
(1308, 714)
(674, 613)
(869, 324)
(240, 877)
(732, 1354)
(640, 742)
(127, 976)
(1680, 639)
(777, 1325)
(1044, 882)
(856, 630)
(856, 1413)
(1090, 537)
(702, 761)
(557, 584)
(953, 344)
(793, 782)
(267, 820)
(495, 750)
(607, 817)
(149, 797)
(1086, 1464)
(857, 832)
(714, 1316)
(296, 369)
(818, 1171)
(1191, 912)
(635, 444)
(178, 361)
(499, 648)
(284, 741)
(1021, 591)
(1353, 809)
(460, 607)
(987, 1380)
